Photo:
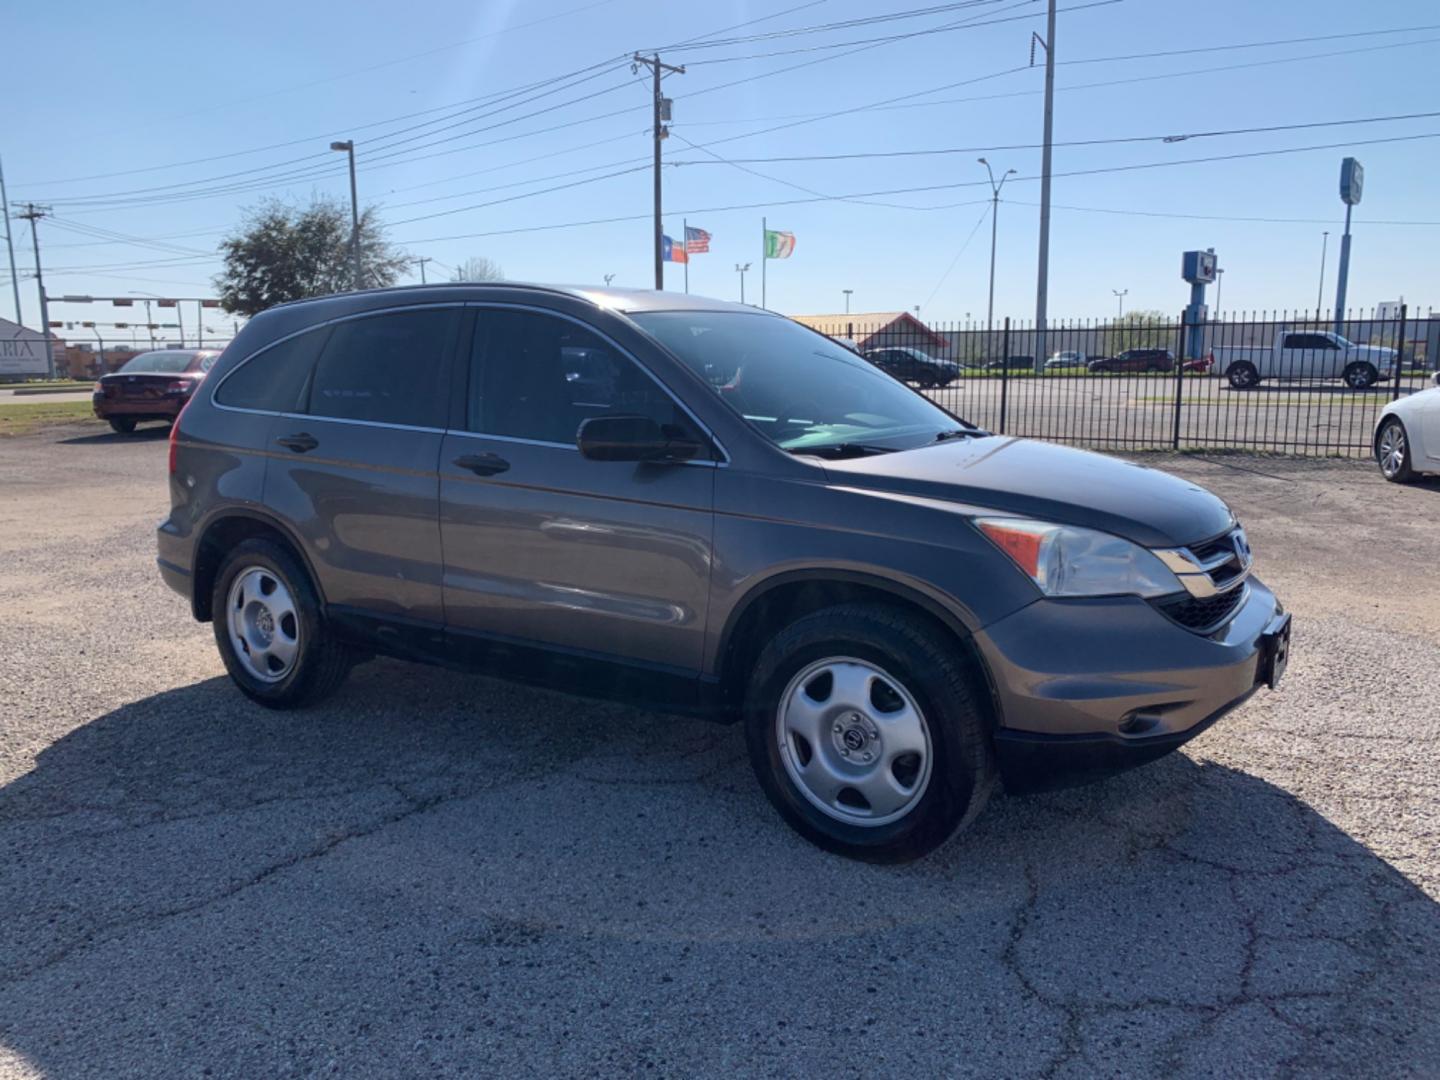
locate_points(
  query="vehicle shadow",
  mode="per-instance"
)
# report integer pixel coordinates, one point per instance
(442, 873)
(146, 433)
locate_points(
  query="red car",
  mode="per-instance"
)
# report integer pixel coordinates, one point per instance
(151, 386)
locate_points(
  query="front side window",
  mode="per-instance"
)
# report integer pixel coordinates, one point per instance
(536, 376)
(797, 388)
(385, 369)
(273, 380)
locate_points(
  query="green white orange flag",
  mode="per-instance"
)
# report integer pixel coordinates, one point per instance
(779, 245)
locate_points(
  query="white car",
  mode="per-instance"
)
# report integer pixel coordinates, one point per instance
(1407, 436)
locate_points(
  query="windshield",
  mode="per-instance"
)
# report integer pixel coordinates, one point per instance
(798, 388)
(165, 363)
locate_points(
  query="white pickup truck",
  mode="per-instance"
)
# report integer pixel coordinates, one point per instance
(1306, 355)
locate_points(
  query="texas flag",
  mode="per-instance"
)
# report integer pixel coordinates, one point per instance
(671, 251)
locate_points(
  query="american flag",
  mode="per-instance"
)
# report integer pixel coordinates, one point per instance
(696, 241)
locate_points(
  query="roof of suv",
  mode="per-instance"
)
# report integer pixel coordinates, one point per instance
(623, 300)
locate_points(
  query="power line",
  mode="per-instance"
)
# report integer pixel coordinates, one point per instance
(965, 244)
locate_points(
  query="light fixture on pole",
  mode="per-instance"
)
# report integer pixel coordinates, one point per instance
(1120, 295)
(609, 278)
(994, 216)
(740, 269)
(348, 146)
(847, 293)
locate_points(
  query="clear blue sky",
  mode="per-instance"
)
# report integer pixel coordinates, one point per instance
(130, 87)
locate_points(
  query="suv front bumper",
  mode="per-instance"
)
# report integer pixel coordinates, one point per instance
(1087, 688)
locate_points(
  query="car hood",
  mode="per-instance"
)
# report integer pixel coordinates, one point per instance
(1053, 483)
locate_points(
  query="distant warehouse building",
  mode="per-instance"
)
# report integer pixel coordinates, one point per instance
(879, 329)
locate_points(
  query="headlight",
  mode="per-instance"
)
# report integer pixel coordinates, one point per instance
(1066, 561)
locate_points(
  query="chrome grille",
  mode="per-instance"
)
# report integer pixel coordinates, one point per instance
(1213, 573)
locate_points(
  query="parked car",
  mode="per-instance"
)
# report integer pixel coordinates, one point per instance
(1066, 360)
(1135, 360)
(151, 386)
(1306, 355)
(1407, 435)
(914, 366)
(757, 526)
(1200, 365)
(1010, 363)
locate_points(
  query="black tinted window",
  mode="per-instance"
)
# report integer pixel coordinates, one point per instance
(385, 368)
(273, 380)
(538, 377)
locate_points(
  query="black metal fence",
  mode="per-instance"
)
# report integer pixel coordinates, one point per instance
(1294, 383)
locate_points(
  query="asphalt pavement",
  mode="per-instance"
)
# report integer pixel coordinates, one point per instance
(439, 874)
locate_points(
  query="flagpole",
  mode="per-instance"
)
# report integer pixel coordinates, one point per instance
(764, 258)
(685, 240)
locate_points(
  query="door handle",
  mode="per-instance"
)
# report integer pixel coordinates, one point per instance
(482, 464)
(299, 442)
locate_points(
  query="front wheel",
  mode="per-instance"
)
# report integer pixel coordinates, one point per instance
(1242, 375)
(1392, 450)
(1361, 376)
(270, 629)
(868, 731)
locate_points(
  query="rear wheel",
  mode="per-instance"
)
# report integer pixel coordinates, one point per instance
(1392, 451)
(270, 629)
(869, 732)
(1361, 376)
(1242, 375)
(122, 425)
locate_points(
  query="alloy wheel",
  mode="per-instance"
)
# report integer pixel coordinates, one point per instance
(1392, 449)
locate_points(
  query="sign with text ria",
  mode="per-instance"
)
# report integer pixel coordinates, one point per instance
(1352, 181)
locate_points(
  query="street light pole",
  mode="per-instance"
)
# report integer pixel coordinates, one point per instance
(348, 146)
(847, 293)
(994, 233)
(1320, 293)
(741, 271)
(1219, 284)
(1120, 295)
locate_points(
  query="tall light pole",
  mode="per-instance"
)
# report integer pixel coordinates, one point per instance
(1219, 284)
(348, 145)
(1120, 295)
(994, 232)
(739, 269)
(609, 278)
(847, 293)
(1320, 293)
(1042, 283)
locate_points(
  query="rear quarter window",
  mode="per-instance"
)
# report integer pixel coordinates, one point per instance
(273, 380)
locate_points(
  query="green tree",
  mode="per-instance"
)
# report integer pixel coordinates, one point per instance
(283, 252)
(1140, 330)
(478, 268)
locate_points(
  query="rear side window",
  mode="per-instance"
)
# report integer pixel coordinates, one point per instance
(273, 380)
(386, 369)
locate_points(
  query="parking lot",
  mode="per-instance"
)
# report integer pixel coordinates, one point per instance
(442, 874)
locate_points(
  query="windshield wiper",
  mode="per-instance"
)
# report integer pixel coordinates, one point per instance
(958, 433)
(842, 450)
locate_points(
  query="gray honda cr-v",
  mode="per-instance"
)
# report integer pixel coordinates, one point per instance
(700, 507)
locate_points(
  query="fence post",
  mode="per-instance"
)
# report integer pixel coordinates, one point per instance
(1399, 356)
(1004, 372)
(1179, 383)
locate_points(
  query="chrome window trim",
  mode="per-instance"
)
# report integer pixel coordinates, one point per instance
(504, 306)
(693, 462)
(311, 329)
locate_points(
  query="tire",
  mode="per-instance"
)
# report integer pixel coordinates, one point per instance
(1361, 376)
(122, 425)
(1392, 451)
(1242, 375)
(817, 670)
(274, 623)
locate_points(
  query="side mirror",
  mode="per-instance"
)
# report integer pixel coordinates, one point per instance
(633, 438)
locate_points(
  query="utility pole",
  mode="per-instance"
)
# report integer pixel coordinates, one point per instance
(1042, 286)
(422, 260)
(10, 246)
(994, 218)
(33, 214)
(1320, 293)
(1120, 295)
(741, 271)
(660, 132)
(349, 147)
